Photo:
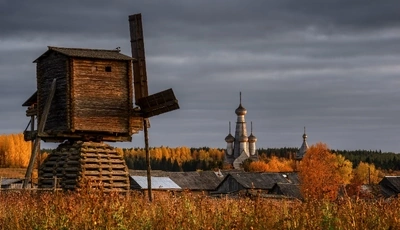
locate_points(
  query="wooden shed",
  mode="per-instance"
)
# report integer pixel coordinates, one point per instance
(197, 181)
(288, 190)
(93, 97)
(390, 186)
(245, 182)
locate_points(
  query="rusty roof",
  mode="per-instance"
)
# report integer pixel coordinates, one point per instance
(87, 53)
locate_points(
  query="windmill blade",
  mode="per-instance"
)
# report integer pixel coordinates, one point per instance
(137, 48)
(158, 103)
(42, 123)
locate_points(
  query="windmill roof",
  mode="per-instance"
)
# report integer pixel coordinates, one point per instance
(87, 53)
(31, 100)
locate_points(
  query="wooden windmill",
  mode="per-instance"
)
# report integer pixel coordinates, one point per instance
(85, 97)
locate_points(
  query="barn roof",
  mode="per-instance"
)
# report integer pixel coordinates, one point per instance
(259, 180)
(87, 53)
(288, 190)
(390, 185)
(256, 180)
(202, 180)
(157, 183)
(199, 180)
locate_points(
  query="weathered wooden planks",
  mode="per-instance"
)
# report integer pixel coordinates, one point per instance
(94, 94)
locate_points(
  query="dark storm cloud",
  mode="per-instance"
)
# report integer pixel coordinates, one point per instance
(329, 65)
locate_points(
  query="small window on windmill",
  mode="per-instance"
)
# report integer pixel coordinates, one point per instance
(108, 69)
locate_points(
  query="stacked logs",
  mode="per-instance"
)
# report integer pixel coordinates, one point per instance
(84, 164)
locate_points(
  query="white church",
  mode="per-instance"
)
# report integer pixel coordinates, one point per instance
(240, 147)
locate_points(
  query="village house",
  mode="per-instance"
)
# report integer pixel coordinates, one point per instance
(197, 181)
(251, 183)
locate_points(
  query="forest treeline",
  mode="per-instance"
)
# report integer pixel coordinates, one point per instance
(15, 152)
(382, 160)
(175, 159)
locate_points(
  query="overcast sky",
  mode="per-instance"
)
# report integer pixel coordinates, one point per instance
(332, 66)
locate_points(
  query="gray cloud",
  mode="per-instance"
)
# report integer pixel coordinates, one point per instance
(330, 66)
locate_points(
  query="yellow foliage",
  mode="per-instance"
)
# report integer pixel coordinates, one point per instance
(14, 151)
(344, 167)
(366, 173)
(274, 164)
(180, 154)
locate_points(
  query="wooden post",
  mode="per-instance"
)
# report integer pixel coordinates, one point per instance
(146, 145)
(33, 142)
(1, 183)
(32, 130)
(55, 183)
(42, 123)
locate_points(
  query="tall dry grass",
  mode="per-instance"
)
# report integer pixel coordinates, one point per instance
(96, 210)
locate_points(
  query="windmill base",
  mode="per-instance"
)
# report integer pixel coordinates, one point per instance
(83, 165)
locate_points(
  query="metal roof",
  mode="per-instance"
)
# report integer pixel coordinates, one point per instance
(196, 180)
(162, 183)
(87, 53)
(8, 181)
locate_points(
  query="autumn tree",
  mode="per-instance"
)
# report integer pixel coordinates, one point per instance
(344, 168)
(366, 174)
(322, 172)
(273, 164)
(14, 150)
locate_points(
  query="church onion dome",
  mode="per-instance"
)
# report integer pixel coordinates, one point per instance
(243, 138)
(229, 138)
(252, 138)
(240, 110)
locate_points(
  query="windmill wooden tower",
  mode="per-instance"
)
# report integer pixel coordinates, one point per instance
(85, 97)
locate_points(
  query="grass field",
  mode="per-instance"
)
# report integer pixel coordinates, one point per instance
(90, 209)
(95, 210)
